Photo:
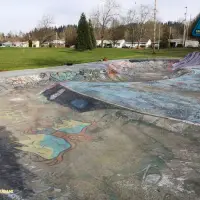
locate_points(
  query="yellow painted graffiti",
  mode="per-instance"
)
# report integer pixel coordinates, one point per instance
(32, 145)
(69, 124)
(51, 143)
(15, 116)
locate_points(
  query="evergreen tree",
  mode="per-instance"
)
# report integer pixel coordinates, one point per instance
(83, 41)
(165, 37)
(30, 43)
(93, 40)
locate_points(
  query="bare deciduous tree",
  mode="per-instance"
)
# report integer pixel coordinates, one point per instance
(131, 21)
(104, 15)
(116, 31)
(44, 29)
(137, 22)
(70, 34)
(144, 15)
(46, 21)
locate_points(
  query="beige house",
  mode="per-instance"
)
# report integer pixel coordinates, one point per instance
(36, 44)
(26, 44)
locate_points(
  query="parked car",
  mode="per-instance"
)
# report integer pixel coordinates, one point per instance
(1, 45)
(125, 47)
(108, 46)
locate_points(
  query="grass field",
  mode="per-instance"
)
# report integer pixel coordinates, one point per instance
(25, 58)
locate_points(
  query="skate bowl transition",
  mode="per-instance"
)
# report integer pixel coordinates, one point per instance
(123, 129)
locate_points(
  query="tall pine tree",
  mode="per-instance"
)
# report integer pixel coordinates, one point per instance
(83, 41)
(93, 40)
(165, 36)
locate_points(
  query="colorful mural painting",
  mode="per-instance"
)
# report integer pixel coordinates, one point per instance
(50, 144)
(62, 76)
(17, 116)
(192, 60)
(106, 72)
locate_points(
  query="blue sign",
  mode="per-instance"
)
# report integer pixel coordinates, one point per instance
(196, 31)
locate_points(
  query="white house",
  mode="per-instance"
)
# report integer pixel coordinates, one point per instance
(20, 44)
(188, 43)
(148, 44)
(17, 44)
(141, 44)
(45, 44)
(7, 44)
(120, 44)
(175, 42)
(191, 43)
(36, 44)
(98, 43)
(106, 43)
(130, 44)
(58, 42)
(26, 44)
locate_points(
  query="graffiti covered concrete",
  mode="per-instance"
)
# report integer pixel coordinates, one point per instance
(81, 147)
(106, 72)
(52, 143)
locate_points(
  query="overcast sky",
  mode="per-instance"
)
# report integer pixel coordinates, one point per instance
(16, 15)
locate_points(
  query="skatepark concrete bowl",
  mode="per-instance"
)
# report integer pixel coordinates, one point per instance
(126, 129)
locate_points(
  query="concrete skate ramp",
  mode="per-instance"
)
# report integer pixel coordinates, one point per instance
(191, 60)
(72, 133)
(176, 97)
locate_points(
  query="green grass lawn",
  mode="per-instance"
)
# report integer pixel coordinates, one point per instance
(27, 58)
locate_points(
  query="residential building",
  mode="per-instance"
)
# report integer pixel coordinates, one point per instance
(106, 43)
(17, 44)
(175, 42)
(119, 43)
(36, 44)
(26, 44)
(142, 44)
(58, 42)
(111, 44)
(45, 44)
(179, 43)
(192, 43)
(7, 44)
(122, 43)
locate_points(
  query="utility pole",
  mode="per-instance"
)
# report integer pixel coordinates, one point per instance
(170, 33)
(184, 33)
(189, 26)
(185, 25)
(154, 32)
(56, 39)
(159, 37)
